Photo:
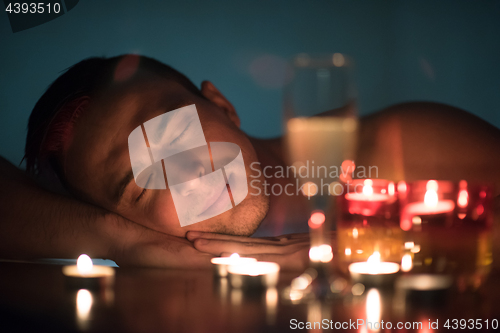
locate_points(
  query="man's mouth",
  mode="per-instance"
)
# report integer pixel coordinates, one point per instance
(217, 203)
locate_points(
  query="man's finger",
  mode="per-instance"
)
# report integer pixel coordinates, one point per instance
(216, 247)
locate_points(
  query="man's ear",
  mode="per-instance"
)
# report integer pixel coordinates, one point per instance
(215, 96)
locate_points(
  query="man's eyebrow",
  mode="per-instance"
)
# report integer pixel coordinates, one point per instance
(122, 186)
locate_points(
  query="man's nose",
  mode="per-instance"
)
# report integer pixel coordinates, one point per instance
(193, 172)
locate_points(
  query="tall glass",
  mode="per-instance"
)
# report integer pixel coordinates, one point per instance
(320, 120)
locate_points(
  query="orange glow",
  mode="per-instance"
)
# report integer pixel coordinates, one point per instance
(310, 189)
(406, 263)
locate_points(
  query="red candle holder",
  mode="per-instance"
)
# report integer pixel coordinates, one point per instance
(448, 228)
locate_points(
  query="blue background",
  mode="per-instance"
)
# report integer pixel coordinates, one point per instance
(444, 51)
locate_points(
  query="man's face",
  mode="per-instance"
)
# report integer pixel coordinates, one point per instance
(97, 163)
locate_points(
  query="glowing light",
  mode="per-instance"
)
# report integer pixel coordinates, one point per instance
(271, 305)
(309, 189)
(432, 185)
(391, 188)
(332, 188)
(355, 233)
(83, 304)
(374, 266)
(348, 251)
(234, 256)
(373, 308)
(317, 218)
(402, 187)
(358, 289)
(415, 249)
(374, 258)
(367, 187)
(463, 199)
(321, 253)
(338, 59)
(84, 264)
(406, 263)
(409, 245)
(480, 210)
(295, 295)
(431, 198)
(416, 220)
(300, 283)
(338, 285)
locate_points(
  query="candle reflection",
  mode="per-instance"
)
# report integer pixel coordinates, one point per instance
(84, 302)
(373, 310)
(271, 305)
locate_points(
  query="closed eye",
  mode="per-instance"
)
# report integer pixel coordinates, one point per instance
(145, 188)
(181, 135)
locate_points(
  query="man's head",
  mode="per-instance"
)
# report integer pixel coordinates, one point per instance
(82, 123)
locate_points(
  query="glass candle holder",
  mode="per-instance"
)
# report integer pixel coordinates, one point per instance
(448, 229)
(368, 223)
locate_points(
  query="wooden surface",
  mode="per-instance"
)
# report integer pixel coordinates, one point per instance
(35, 298)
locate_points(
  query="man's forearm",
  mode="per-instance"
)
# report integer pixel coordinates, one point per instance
(35, 223)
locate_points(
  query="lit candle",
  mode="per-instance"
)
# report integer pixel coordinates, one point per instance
(86, 274)
(373, 271)
(430, 206)
(257, 275)
(221, 264)
(367, 202)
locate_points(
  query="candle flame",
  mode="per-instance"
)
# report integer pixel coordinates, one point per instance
(84, 264)
(391, 188)
(406, 263)
(374, 258)
(431, 198)
(463, 199)
(367, 187)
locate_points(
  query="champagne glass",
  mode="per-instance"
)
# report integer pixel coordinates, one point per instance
(320, 120)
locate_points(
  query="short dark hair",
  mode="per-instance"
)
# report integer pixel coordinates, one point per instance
(51, 114)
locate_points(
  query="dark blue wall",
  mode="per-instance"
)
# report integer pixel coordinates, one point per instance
(446, 51)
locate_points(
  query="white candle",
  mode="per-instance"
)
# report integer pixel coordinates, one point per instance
(367, 194)
(85, 272)
(258, 274)
(222, 263)
(367, 202)
(373, 271)
(430, 206)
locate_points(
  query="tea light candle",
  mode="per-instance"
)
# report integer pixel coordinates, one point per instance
(366, 202)
(373, 271)
(430, 206)
(221, 264)
(86, 274)
(257, 275)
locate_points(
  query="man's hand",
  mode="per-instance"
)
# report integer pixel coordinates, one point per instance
(291, 252)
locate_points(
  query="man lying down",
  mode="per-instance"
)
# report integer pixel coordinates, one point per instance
(122, 163)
